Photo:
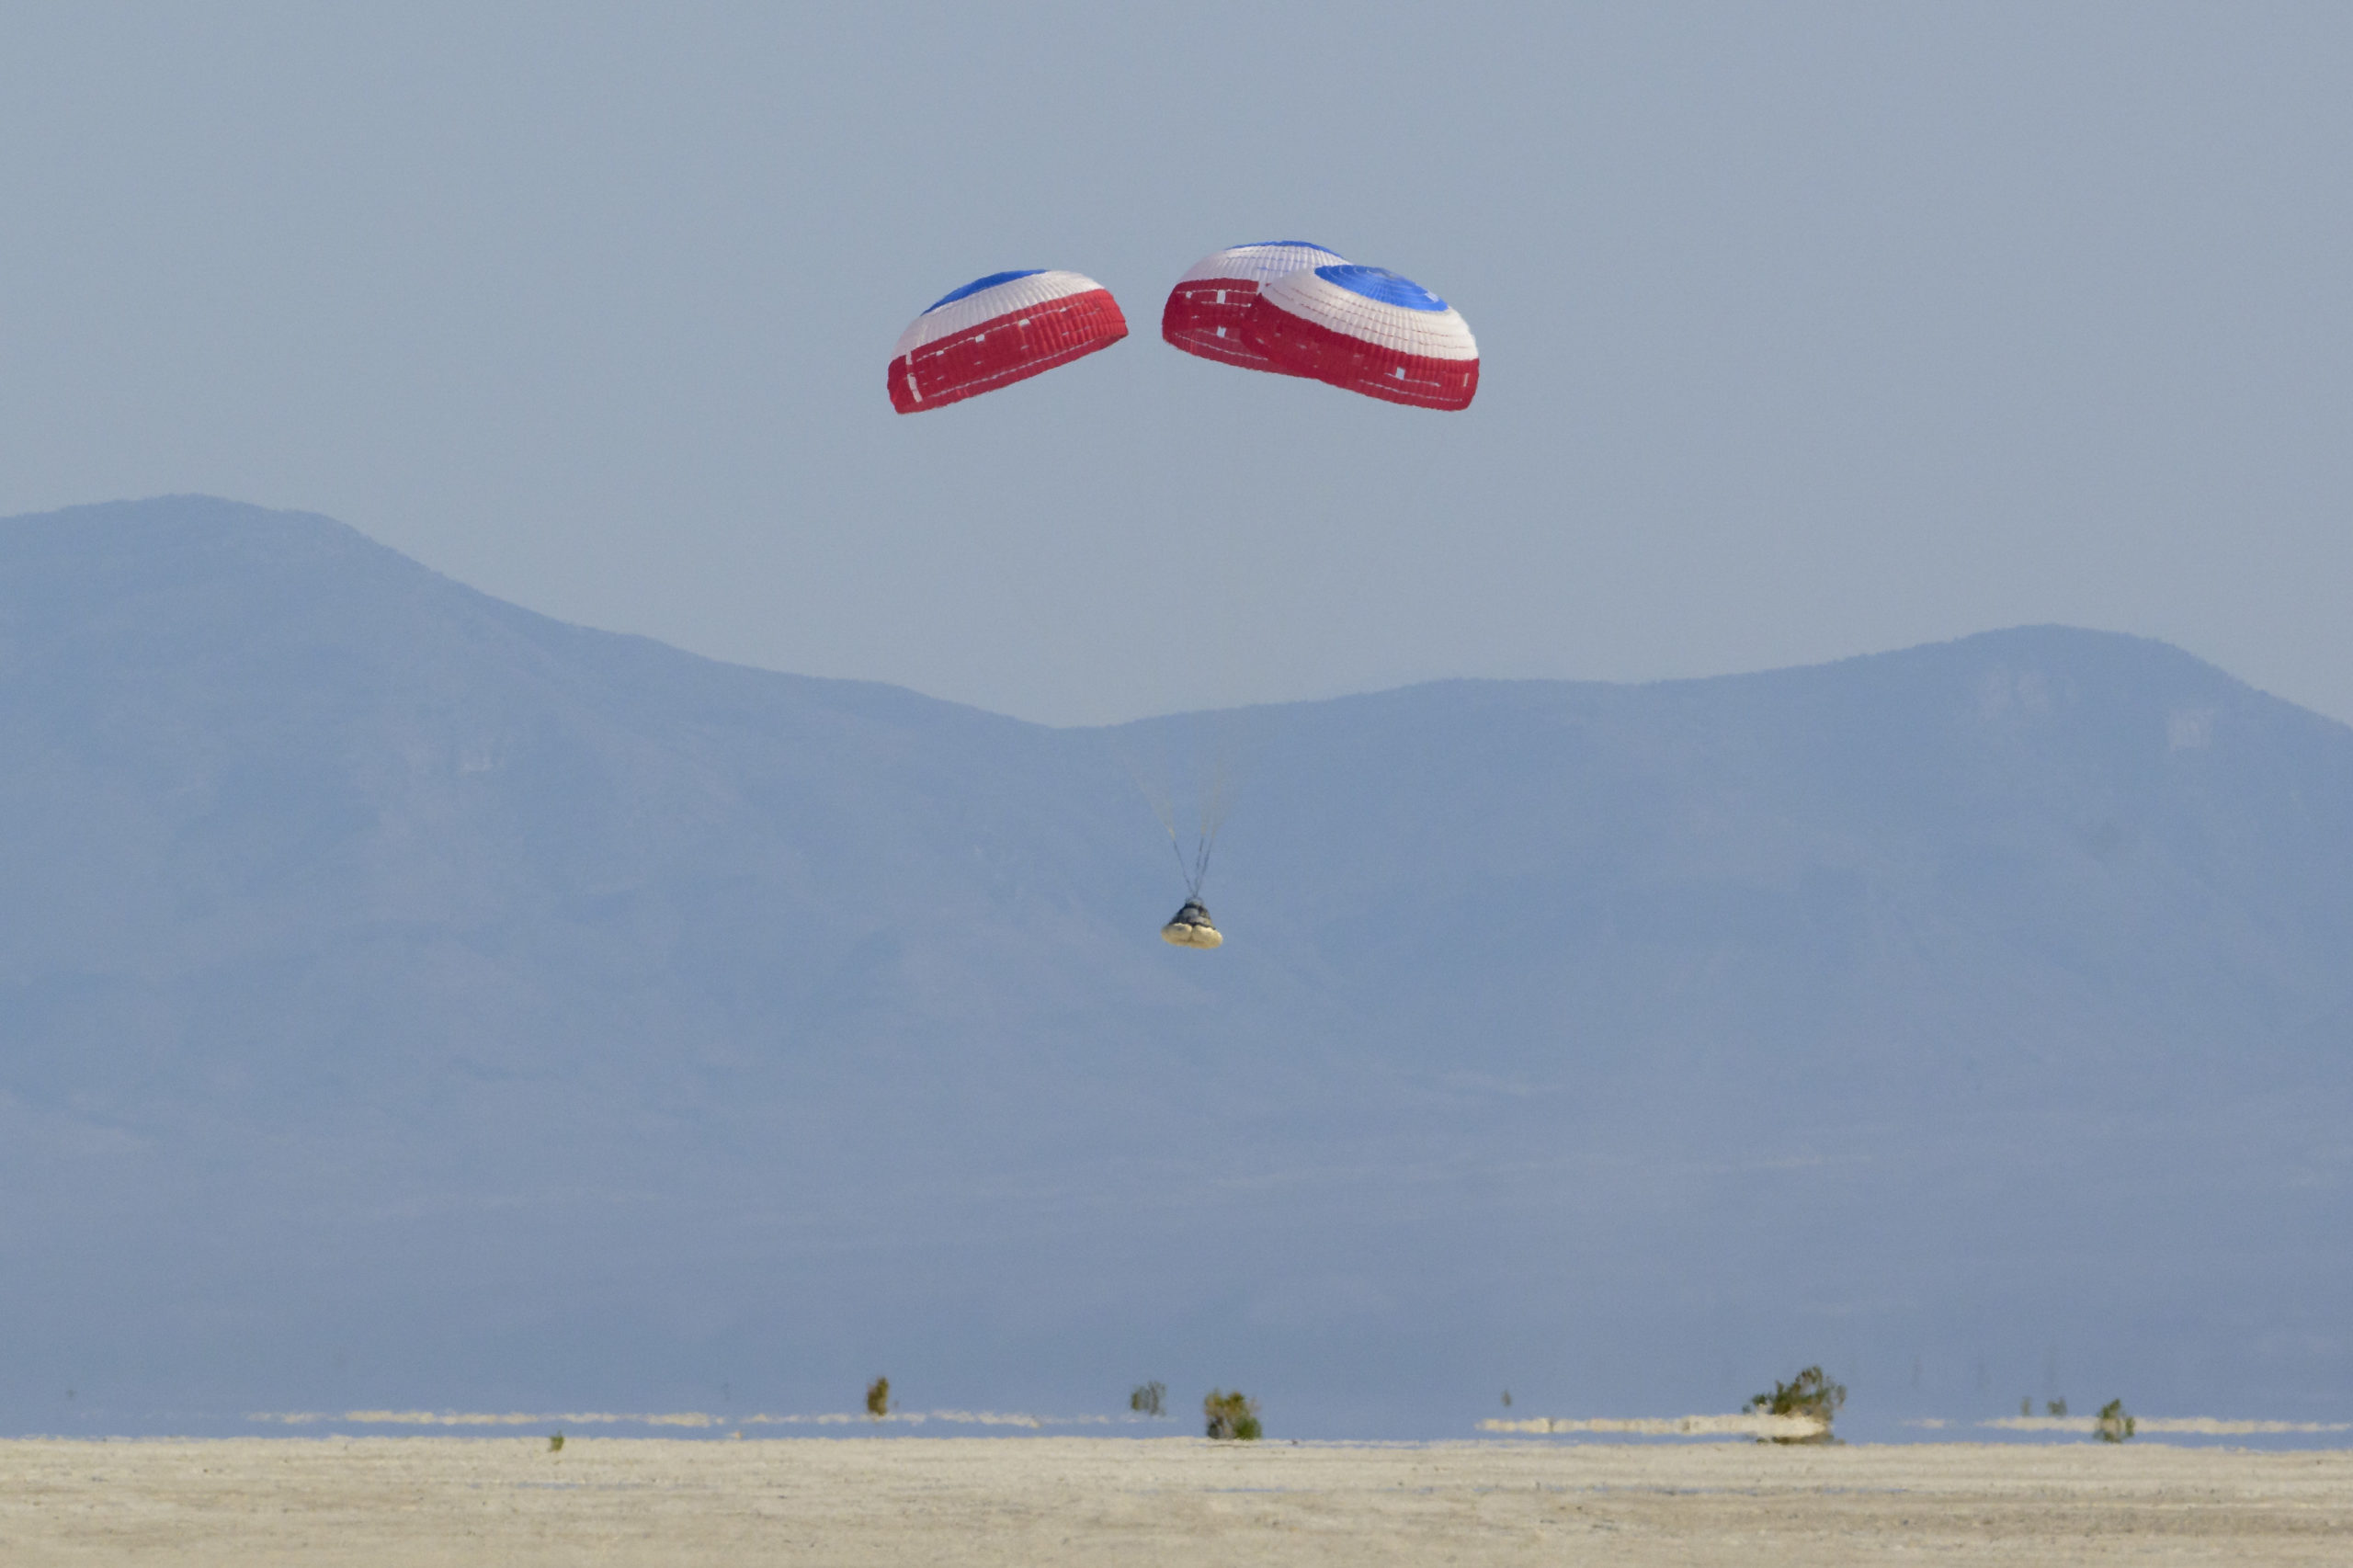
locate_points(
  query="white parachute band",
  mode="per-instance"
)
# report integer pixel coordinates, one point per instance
(1432, 335)
(1257, 263)
(1004, 299)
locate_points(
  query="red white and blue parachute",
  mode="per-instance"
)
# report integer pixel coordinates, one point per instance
(998, 330)
(1367, 330)
(1205, 311)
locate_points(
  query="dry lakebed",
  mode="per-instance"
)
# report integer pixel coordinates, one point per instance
(391, 1501)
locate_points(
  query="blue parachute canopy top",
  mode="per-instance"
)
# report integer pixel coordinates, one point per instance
(977, 284)
(1379, 283)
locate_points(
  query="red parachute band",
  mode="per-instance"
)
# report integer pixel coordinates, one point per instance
(1206, 311)
(998, 330)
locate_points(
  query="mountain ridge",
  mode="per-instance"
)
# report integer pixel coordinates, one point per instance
(398, 978)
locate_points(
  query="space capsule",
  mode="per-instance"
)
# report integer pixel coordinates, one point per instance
(1191, 927)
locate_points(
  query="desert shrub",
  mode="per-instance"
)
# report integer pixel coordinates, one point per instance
(2115, 1424)
(2055, 1407)
(555, 1444)
(1232, 1416)
(878, 1398)
(1149, 1399)
(1810, 1394)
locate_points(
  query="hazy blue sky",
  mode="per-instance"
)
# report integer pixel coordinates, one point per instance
(1806, 330)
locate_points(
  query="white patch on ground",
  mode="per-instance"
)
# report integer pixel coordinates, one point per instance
(952, 1417)
(677, 1418)
(2179, 1425)
(2000, 690)
(1744, 1426)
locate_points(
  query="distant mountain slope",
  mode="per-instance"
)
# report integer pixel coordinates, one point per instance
(408, 999)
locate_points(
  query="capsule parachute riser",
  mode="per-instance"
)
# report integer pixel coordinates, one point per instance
(1206, 311)
(998, 330)
(1365, 329)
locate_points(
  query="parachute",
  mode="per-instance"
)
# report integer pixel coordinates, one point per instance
(1191, 927)
(1206, 310)
(1365, 330)
(998, 330)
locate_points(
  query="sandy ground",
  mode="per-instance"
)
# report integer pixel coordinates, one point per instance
(392, 1501)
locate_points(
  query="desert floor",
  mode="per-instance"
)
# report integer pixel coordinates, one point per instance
(390, 1501)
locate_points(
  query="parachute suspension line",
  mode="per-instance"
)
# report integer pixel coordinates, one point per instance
(1166, 809)
(1213, 802)
(1199, 873)
(1167, 815)
(1196, 869)
(1199, 870)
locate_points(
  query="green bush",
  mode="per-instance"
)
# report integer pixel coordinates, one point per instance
(1810, 1393)
(878, 1398)
(555, 1444)
(1232, 1417)
(2115, 1424)
(1149, 1399)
